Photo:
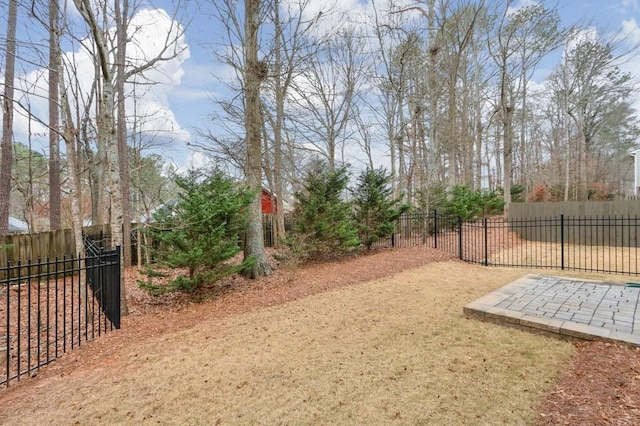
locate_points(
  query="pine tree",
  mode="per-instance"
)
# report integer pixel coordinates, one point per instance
(375, 209)
(323, 220)
(200, 231)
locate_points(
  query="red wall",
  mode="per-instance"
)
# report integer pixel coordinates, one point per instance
(267, 206)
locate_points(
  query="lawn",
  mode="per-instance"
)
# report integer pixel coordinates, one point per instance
(395, 350)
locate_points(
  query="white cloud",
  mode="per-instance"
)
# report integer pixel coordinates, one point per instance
(198, 160)
(31, 94)
(152, 30)
(197, 82)
(631, 31)
(335, 14)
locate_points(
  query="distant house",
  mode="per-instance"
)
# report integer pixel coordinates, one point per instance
(144, 218)
(269, 204)
(636, 172)
(16, 225)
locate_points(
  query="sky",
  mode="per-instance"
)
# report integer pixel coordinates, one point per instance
(180, 104)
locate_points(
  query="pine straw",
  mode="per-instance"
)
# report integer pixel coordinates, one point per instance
(601, 386)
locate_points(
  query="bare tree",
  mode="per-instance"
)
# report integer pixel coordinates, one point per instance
(7, 117)
(121, 15)
(595, 92)
(326, 92)
(521, 40)
(254, 74)
(54, 131)
(292, 44)
(395, 48)
(106, 128)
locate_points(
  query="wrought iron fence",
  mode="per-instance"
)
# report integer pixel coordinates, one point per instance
(606, 244)
(50, 307)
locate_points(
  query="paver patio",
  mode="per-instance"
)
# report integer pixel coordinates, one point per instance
(568, 307)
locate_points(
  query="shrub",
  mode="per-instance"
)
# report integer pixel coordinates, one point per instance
(322, 222)
(539, 194)
(470, 204)
(200, 231)
(375, 211)
(518, 193)
(600, 191)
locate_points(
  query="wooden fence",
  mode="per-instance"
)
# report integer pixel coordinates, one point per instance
(42, 245)
(574, 208)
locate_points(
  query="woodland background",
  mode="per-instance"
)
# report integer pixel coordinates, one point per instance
(439, 92)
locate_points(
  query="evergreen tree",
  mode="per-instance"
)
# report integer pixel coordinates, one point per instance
(323, 222)
(375, 209)
(200, 231)
(472, 204)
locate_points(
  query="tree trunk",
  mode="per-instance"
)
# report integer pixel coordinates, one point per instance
(55, 222)
(478, 136)
(7, 118)
(254, 73)
(108, 131)
(69, 135)
(121, 129)
(432, 90)
(97, 164)
(507, 120)
(280, 92)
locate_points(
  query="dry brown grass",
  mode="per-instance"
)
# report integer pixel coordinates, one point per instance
(395, 350)
(580, 257)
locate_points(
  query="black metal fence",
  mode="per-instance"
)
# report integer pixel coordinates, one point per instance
(606, 244)
(103, 275)
(50, 307)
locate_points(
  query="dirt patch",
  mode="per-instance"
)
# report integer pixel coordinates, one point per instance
(357, 341)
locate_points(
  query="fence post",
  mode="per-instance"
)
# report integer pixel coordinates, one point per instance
(486, 243)
(460, 237)
(562, 241)
(435, 228)
(7, 346)
(116, 290)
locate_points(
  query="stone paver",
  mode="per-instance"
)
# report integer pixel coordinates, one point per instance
(571, 307)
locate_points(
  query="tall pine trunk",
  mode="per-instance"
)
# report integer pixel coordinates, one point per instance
(121, 128)
(254, 73)
(7, 118)
(55, 221)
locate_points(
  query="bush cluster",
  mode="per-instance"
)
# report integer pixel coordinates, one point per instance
(325, 224)
(199, 232)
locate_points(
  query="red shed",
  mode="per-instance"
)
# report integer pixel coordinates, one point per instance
(269, 205)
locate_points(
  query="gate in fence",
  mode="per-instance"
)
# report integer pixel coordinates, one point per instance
(50, 307)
